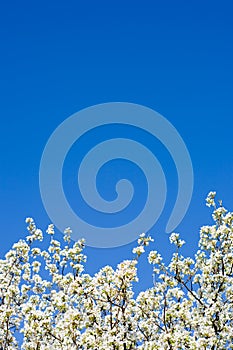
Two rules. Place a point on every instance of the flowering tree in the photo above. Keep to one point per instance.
(46, 296)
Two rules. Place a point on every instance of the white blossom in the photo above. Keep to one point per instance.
(47, 296)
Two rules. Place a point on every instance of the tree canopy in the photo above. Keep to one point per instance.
(47, 301)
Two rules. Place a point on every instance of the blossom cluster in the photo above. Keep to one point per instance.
(47, 301)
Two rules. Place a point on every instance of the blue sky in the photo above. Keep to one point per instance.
(60, 57)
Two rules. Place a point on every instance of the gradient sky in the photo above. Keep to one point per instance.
(59, 57)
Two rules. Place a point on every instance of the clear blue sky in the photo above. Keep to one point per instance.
(59, 57)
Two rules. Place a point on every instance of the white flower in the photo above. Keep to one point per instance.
(154, 258)
(50, 229)
(138, 250)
